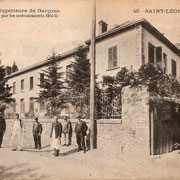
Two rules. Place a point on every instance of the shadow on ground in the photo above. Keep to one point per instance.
(36, 150)
(20, 171)
(72, 151)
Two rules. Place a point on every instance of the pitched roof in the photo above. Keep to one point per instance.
(132, 24)
(45, 62)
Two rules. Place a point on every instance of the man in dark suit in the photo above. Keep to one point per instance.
(80, 130)
(55, 135)
(37, 130)
(2, 127)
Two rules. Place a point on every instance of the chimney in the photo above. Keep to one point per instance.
(102, 27)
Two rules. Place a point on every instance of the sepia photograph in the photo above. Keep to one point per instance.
(89, 90)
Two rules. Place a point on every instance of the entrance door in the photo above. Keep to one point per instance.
(161, 140)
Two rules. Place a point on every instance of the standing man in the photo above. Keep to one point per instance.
(55, 135)
(67, 131)
(17, 129)
(37, 131)
(80, 130)
(2, 127)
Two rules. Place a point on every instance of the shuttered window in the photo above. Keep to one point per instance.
(22, 106)
(173, 66)
(22, 84)
(112, 57)
(165, 62)
(31, 83)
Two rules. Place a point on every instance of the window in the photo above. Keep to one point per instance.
(165, 62)
(112, 57)
(31, 105)
(151, 50)
(22, 84)
(173, 66)
(14, 87)
(22, 106)
(42, 106)
(41, 79)
(68, 71)
(31, 82)
(159, 56)
(14, 107)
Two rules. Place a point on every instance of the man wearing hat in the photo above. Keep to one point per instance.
(2, 127)
(80, 130)
(37, 130)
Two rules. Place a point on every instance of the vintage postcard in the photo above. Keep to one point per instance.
(89, 89)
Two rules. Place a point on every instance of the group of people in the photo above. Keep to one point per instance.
(65, 129)
(59, 130)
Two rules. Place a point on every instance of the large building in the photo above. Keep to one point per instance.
(130, 44)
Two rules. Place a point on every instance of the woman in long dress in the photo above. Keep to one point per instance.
(55, 135)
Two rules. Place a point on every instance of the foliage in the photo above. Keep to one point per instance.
(51, 88)
(78, 81)
(161, 86)
(158, 82)
(14, 67)
(5, 94)
(8, 70)
(112, 90)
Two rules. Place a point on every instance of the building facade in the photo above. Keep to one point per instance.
(130, 45)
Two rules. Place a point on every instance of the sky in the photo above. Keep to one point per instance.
(27, 41)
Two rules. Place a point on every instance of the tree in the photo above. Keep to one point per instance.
(79, 82)
(51, 87)
(14, 67)
(5, 94)
(8, 70)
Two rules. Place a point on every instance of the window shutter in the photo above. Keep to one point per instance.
(159, 56)
(173, 66)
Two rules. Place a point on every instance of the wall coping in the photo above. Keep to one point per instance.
(99, 121)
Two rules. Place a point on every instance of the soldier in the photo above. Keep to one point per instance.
(80, 130)
(67, 131)
(37, 131)
(2, 127)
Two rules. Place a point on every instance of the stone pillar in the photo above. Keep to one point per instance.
(135, 119)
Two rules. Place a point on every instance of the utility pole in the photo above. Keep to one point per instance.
(93, 128)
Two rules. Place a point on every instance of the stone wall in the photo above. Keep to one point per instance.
(129, 134)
